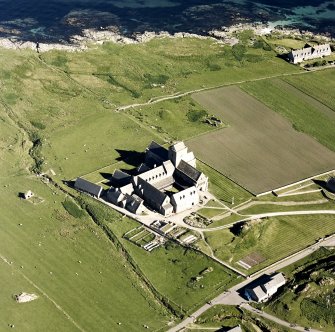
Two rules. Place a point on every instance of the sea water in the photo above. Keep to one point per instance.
(57, 20)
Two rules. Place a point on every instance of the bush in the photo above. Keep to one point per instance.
(196, 115)
(258, 44)
(73, 209)
(36, 152)
(156, 79)
(239, 51)
(38, 125)
(316, 311)
(213, 67)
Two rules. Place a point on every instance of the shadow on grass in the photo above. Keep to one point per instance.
(133, 158)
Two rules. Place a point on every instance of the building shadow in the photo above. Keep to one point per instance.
(106, 176)
(69, 183)
(321, 183)
(133, 158)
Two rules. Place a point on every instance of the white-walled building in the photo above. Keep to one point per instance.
(263, 291)
(309, 52)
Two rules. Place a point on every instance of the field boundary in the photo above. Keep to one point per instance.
(307, 94)
(227, 177)
(294, 183)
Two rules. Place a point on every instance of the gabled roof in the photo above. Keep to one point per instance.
(235, 329)
(88, 187)
(114, 195)
(134, 203)
(189, 170)
(118, 175)
(150, 193)
(276, 281)
(120, 178)
(143, 168)
(158, 150)
(259, 292)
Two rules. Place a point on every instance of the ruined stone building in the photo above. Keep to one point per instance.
(309, 52)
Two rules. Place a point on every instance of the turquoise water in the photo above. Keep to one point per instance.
(57, 20)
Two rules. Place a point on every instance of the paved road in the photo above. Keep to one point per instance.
(231, 297)
(275, 319)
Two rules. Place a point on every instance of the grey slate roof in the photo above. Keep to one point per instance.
(158, 150)
(259, 293)
(150, 193)
(331, 184)
(134, 203)
(189, 171)
(114, 195)
(143, 168)
(88, 187)
(120, 178)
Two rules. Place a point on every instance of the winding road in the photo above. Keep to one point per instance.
(232, 297)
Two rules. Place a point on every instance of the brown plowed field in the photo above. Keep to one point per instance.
(260, 150)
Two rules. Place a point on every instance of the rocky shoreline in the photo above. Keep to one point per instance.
(225, 35)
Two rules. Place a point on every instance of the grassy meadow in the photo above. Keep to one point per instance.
(176, 272)
(62, 256)
(273, 238)
(319, 85)
(58, 111)
(133, 73)
(305, 115)
(223, 188)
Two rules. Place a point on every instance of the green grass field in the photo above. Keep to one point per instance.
(176, 119)
(67, 261)
(210, 212)
(58, 112)
(173, 271)
(306, 116)
(265, 208)
(132, 73)
(273, 238)
(222, 188)
(319, 85)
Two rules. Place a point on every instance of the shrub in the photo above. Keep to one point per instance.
(38, 125)
(73, 209)
(239, 51)
(35, 152)
(196, 115)
(156, 79)
(213, 67)
(258, 44)
(316, 311)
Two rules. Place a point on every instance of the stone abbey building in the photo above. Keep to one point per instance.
(168, 182)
